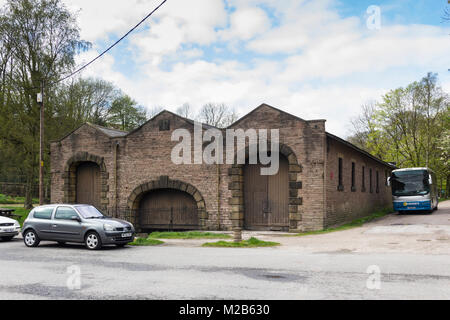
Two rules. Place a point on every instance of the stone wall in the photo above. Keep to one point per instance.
(303, 143)
(345, 204)
(140, 161)
(145, 156)
(84, 144)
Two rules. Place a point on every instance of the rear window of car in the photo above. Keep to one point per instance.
(43, 213)
(65, 213)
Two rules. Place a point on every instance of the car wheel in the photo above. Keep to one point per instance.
(7, 238)
(31, 239)
(93, 241)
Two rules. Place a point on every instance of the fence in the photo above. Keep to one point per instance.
(14, 189)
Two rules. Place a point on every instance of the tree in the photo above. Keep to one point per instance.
(367, 135)
(408, 126)
(185, 111)
(125, 114)
(39, 42)
(217, 114)
(154, 111)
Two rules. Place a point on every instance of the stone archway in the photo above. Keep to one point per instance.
(70, 177)
(236, 186)
(165, 183)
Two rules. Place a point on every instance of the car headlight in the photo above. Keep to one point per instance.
(16, 224)
(108, 227)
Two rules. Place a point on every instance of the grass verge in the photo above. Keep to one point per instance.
(5, 199)
(250, 243)
(354, 224)
(188, 235)
(142, 242)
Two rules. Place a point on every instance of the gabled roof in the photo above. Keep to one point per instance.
(113, 133)
(109, 132)
(191, 122)
(265, 105)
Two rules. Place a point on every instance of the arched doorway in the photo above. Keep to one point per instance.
(88, 185)
(266, 198)
(86, 180)
(168, 209)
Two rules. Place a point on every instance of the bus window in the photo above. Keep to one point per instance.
(410, 183)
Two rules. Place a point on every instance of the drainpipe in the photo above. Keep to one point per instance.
(116, 192)
(218, 197)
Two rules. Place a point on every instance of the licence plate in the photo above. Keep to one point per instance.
(126, 235)
(8, 230)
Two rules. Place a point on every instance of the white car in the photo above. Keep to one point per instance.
(9, 228)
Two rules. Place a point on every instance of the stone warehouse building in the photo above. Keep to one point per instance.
(322, 179)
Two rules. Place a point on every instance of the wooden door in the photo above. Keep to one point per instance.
(278, 197)
(88, 184)
(266, 198)
(168, 209)
(255, 198)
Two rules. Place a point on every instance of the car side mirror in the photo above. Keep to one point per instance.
(389, 181)
(75, 218)
(430, 180)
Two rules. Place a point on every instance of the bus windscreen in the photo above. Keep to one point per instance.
(410, 183)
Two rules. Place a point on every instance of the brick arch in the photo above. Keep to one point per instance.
(70, 176)
(165, 183)
(236, 186)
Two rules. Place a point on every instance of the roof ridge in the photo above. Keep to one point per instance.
(108, 128)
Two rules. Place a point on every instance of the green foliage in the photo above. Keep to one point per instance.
(39, 40)
(125, 114)
(141, 242)
(4, 199)
(410, 126)
(250, 243)
(188, 235)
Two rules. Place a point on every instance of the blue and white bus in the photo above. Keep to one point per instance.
(414, 189)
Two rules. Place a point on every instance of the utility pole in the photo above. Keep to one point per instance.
(40, 100)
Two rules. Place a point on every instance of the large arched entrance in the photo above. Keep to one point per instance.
(168, 209)
(167, 204)
(266, 198)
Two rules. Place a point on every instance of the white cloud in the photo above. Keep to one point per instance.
(326, 65)
(246, 23)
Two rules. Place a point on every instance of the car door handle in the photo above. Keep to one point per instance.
(54, 225)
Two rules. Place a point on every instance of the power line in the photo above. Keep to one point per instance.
(110, 47)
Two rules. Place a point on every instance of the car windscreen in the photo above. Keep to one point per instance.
(410, 183)
(89, 212)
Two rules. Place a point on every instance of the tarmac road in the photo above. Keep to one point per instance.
(175, 271)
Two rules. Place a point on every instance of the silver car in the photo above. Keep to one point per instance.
(75, 223)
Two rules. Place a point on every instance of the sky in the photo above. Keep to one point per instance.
(318, 59)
